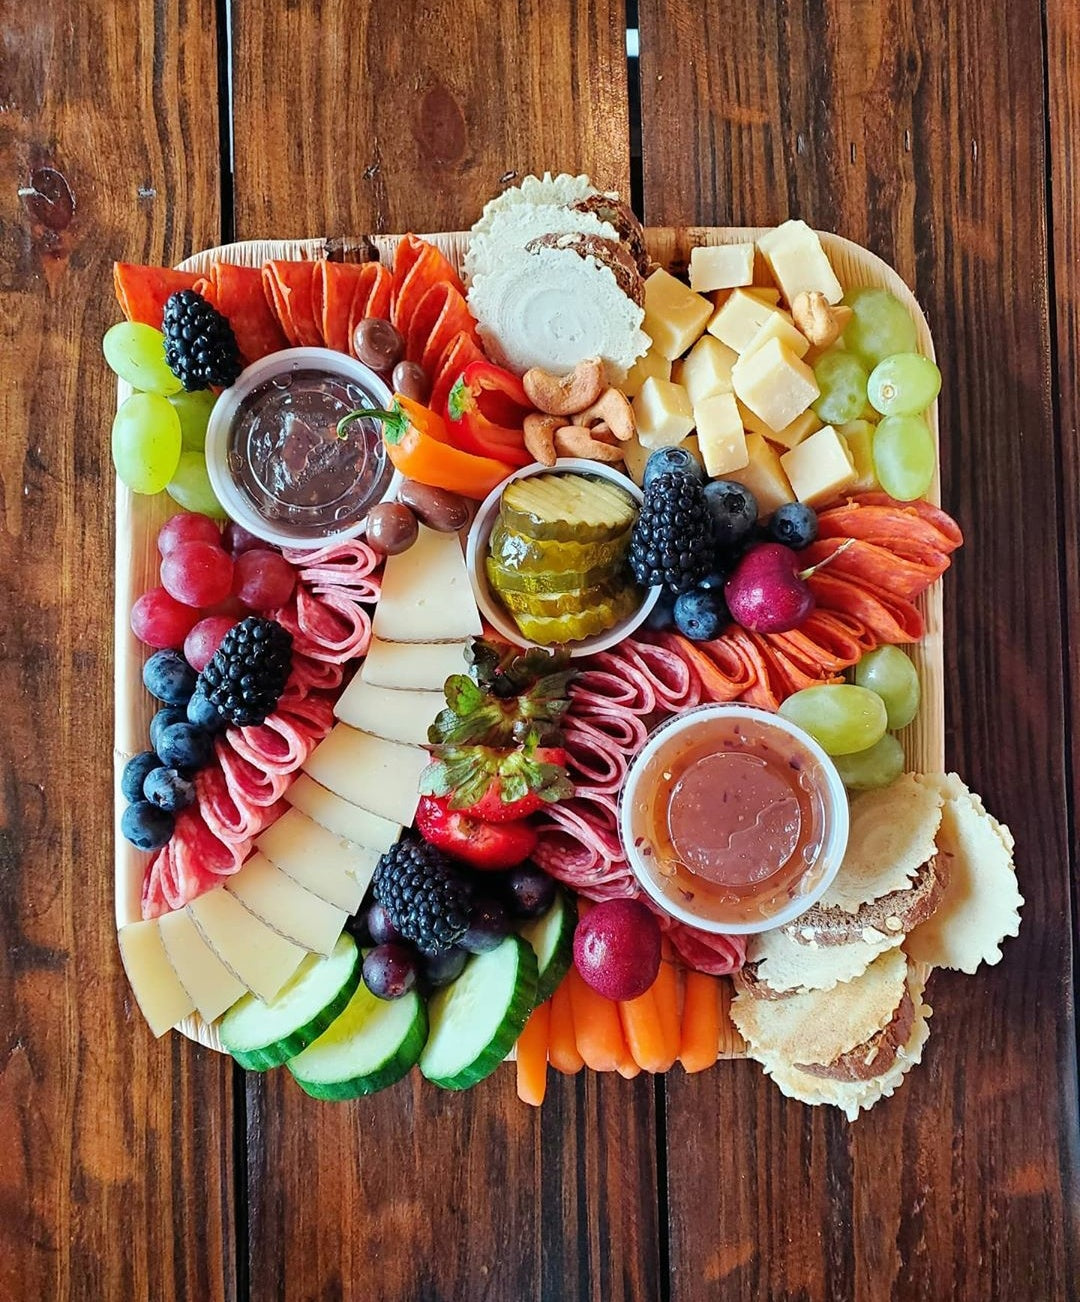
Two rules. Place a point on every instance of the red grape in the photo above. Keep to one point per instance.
(197, 573)
(159, 620)
(204, 639)
(187, 527)
(237, 539)
(263, 580)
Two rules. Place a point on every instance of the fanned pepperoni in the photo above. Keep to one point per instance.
(820, 642)
(723, 674)
(876, 518)
(237, 293)
(907, 575)
(890, 618)
(142, 292)
(290, 290)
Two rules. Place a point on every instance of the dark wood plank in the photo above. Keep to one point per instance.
(917, 129)
(115, 1149)
(408, 117)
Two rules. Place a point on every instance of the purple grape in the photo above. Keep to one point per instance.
(530, 891)
(446, 966)
(381, 930)
(488, 927)
(390, 971)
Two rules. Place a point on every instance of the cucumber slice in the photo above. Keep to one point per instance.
(263, 1035)
(373, 1044)
(552, 938)
(475, 1021)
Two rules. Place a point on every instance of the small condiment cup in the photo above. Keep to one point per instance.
(233, 501)
(477, 549)
(633, 803)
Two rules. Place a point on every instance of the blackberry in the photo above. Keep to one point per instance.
(200, 347)
(424, 898)
(249, 670)
(674, 540)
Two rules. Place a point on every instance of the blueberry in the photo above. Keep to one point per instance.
(203, 713)
(662, 614)
(446, 966)
(668, 460)
(169, 677)
(165, 719)
(146, 826)
(794, 525)
(169, 789)
(734, 510)
(713, 581)
(135, 773)
(488, 927)
(183, 746)
(702, 614)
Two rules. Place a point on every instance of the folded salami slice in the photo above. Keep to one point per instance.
(675, 683)
(277, 745)
(594, 758)
(889, 617)
(705, 950)
(330, 626)
(344, 564)
(315, 675)
(142, 292)
(458, 353)
(226, 813)
(248, 784)
(192, 863)
(290, 290)
(237, 293)
(722, 672)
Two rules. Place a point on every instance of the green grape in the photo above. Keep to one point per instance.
(194, 411)
(877, 766)
(137, 354)
(903, 385)
(841, 377)
(881, 326)
(146, 442)
(840, 718)
(190, 486)
(891, 674)
(904, 457)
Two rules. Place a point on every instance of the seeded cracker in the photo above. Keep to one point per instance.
(784, 964)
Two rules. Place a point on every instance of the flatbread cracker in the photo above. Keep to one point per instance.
(821, 1025)
(981, 904)
(892, 836)
(786, 964)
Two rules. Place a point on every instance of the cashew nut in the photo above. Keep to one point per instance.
(540, 436)
(818, 320)
(561, 395)
(614, 410)
(576, 441)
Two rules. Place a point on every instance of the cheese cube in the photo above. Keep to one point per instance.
(720, 434)
(663, 414)
(763, 475)
(648, 364)
(778, 326)
(859, 437)
(819, 468)
(706, 369)
(739, 318)
(798, 262)
(774, 384)
(721, 266)
(766, 293)
(636, 457)
(674, 315)
(790, 436)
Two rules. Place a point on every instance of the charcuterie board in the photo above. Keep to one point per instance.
(139, 517)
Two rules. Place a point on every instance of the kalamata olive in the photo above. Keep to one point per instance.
(411, 381)
(377, 344)
(435, 507)
(391, 528)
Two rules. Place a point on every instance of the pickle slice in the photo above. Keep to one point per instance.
(544, 582)
(546, 629)
(544, 605)
(567, 508)
(513, 551)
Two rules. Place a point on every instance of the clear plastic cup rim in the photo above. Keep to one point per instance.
(833, 845)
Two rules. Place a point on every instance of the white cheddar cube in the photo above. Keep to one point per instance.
(819, 468)
(258, 955)
(721, 266)
(161, 997)
(778, 326)
(764, 476)
(798, 262)
(202, 974)
(663, 414)
(426, 595)
(417, 666)
(767, 293)
(380, 776)
(389, 712)
(788, 437)
(720, 434)
(739, 319)
(331, 867)
(859, 437)
(636, 457)
(346, 820)
(775, 384)
(285, 906)
(706, 369)
(674, 315)
(649, 365)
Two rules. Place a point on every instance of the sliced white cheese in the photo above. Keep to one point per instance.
(261, 958)
(342, 817)
(389, 712)
(211, 985)
(162, 1000)
(329, 866)
(380, 776)
(419, 666)
(282, 903)
(426, 595)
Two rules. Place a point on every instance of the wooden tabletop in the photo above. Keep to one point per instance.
(942, 135)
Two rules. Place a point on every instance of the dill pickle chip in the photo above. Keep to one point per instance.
(567, 508)
(574, 602)
(542, 582)
(513, 551)
(546, 629)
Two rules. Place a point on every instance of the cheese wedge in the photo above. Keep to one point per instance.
(426, 596)
(284, 905)
(161, 997)
(380, 776)
(334, 869)
(212, 987)
(389, 712)
(416, 666)
(344, 819)
(262, 959)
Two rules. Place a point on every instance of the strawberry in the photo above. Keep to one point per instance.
(489, 847)
(498, 785)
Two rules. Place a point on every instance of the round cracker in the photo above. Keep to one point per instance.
(783, 963)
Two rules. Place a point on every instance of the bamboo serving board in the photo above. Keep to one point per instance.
(138, 519)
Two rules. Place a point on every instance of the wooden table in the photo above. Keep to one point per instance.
(943, 136)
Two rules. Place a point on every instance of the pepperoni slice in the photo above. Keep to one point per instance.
(142, 292)
(237, 293)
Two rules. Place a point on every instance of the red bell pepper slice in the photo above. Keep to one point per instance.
(486, 410)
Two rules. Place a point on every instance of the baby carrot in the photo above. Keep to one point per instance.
(644, 1031)
(700, 1022)
(532, 1050)
(596, 1025)
(562, 1047)
(665, 991)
